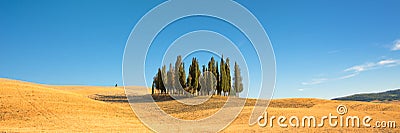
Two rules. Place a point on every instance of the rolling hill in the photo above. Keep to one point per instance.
(30, 107)
(390, 95)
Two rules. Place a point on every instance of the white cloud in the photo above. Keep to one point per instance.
(360, 68)
(369, 66)
(396, 45)
(355, 70)
(348, 76)
(315, 81)
(386, 62)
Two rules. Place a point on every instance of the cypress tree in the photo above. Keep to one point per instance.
(228, 76)
(189, 79)
(204, 81)
(160, 83)
(170, 79)
(218, 88)
(152, 87)
(212, 69)
(180, 75)
(164, 79)
(194, 73)
(237, 85)
(189, 82)
(222, 76)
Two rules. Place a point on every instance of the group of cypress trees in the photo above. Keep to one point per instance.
(213, 79)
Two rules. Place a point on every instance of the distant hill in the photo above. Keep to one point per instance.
(368, 97)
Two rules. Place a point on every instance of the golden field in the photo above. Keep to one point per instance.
(30, 107)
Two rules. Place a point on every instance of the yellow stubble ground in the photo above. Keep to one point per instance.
(29, 107)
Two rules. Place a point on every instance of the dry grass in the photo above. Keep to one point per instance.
(28, 107)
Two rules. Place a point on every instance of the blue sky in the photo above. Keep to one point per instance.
(323, 49)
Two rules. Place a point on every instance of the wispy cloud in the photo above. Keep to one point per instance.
(300, 89)
(374, 65)
(348, 76)
(356, 70)
(385, 62)
(360, 68)
(315, 81)
(396, 45)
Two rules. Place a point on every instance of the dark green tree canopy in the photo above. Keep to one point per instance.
(216, 78)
